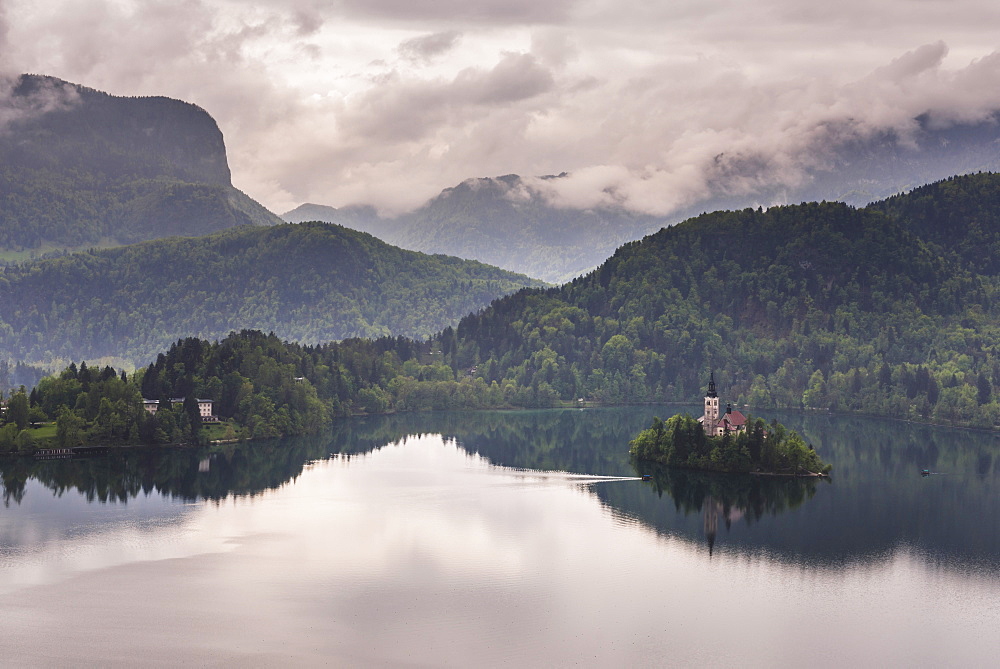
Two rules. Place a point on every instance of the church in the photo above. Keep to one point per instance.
(714, 424)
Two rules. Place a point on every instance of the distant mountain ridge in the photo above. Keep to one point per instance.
(506, 222)
(310, 283)
(496, 221)
(362, 218)
(80, 167)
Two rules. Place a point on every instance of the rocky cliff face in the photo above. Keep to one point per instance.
(80, 167)
(63, 126)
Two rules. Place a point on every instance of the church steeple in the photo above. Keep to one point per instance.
(710, 420)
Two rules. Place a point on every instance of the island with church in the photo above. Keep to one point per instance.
(730, 442)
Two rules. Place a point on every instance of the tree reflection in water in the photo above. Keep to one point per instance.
(188, 474)
(877, 502)
(728, 497)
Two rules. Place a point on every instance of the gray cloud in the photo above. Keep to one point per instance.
(407, 109)
(44, 97)
(4, 29)
(769, 136)
(651, 105)
(517, 76)
(427, 47)
(308, 21)
(476, 11)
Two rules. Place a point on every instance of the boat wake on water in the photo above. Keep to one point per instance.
(569, 477)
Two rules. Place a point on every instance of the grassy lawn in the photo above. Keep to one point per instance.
(215, 431)
(44, 434)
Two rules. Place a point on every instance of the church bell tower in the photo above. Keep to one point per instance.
(711, 418)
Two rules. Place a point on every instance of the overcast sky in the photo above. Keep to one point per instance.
(389, 101)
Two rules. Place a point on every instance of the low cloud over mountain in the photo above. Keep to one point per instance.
(654, 108)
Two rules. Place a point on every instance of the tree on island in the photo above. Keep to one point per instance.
(681, 442)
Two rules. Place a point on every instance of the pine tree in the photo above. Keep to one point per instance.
(984, 391)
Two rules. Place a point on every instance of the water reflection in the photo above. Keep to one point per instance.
(184, 474)
(728, 498)
(426, 553)
(876, 505)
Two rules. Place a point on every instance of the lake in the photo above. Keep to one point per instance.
(505, 538)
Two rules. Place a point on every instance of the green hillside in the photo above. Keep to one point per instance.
(81, 168)
(310, 283)
(958, 218)
(819, 305)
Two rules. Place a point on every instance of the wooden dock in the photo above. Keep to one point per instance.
(68, 453)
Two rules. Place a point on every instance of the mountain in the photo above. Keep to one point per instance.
(507, 221)
(888, 309)
(310, 283)
(506, 224)
(81, 168)
(862, 171)
(360, 218)
(499, 221)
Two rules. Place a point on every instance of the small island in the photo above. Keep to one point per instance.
(731, 443)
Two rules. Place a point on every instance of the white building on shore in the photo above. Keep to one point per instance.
(204, 408)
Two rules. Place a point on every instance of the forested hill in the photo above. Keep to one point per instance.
(959, 218)
(889, 309)
(80, 167)
(311, 283)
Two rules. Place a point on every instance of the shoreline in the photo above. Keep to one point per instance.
(563, 405)
(786, 475)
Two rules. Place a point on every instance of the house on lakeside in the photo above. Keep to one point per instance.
(714, 424)
(204, 408)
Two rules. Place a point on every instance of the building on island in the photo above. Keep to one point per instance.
(714, 424)
(204, 408)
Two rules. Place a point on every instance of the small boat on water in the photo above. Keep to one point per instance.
(647, 477)
(925, 472)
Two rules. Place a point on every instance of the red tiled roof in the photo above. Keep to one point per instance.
(736, 418)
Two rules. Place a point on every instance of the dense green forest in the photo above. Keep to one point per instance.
(309, 283)
(258, 384)
(890, 310)
(681, 441)
(81, 168)
(260, 387)
(14, 375)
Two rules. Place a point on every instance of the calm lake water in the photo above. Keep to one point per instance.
(505, 538)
